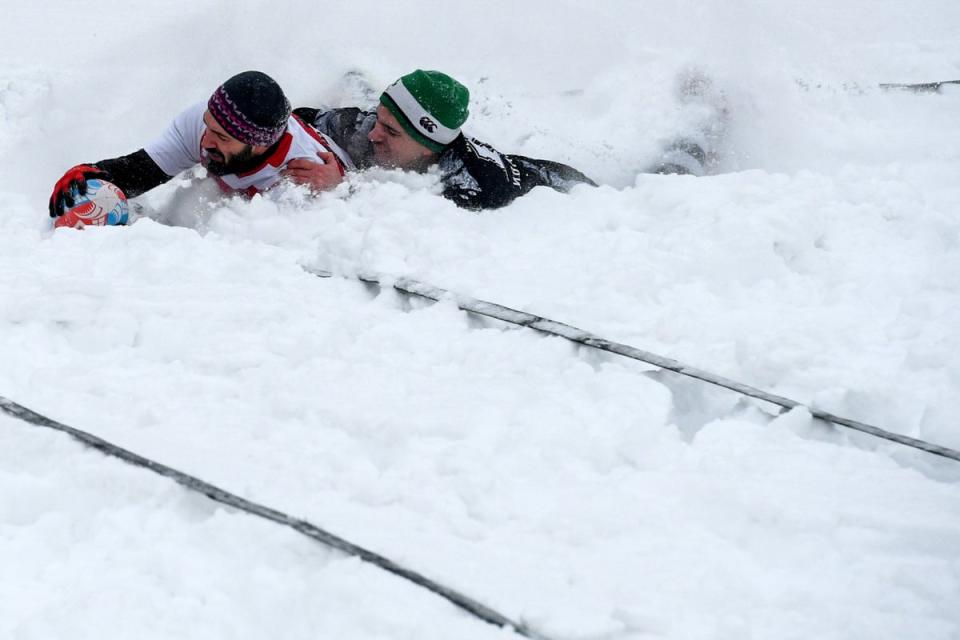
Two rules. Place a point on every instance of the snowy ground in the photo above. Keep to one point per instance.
(588, 495)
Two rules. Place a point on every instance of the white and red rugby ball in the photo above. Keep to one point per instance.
(104, 204)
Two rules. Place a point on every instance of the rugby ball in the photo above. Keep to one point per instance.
(102, 205)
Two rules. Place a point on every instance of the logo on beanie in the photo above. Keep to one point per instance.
(428, 124)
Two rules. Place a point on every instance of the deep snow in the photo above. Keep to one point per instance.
(586, 494)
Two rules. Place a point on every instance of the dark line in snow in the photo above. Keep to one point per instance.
(192, 483)
(552, 327)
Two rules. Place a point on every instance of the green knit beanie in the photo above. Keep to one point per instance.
(429, 105)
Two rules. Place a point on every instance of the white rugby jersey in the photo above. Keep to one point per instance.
(178, 149)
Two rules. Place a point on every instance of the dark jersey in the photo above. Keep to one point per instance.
(474, 175)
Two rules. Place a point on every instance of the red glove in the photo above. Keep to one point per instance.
(73, 182)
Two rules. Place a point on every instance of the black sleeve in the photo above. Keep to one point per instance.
(135, 173)
(477, 176)
(552, 174)
(339, 124)
(348, 127)
(307, 114)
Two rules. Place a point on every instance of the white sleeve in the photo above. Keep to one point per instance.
(178, 148)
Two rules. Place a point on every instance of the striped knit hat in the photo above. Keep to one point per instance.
(251, 107)
(429, 105)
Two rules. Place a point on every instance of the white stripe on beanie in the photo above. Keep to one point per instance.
(422, 120)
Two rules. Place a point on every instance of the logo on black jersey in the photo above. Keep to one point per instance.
(428, 124)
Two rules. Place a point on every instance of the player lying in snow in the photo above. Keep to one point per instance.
(244, 135)
(247, 139)
(417, 126)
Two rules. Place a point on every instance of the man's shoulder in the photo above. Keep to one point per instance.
(475, 175)
(189, 122)
(482, 161)
(178, 147)
(478, 176)
(474, 149)
(308, 141)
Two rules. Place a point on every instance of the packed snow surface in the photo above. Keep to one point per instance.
(591, 496)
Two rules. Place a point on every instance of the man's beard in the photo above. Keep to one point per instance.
(238, 163)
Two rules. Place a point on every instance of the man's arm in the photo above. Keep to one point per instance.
(134, 174)
(177, 149)
(548, 173)
(348, 127)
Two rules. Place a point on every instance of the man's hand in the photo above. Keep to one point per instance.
(74, 180)
(319, 177)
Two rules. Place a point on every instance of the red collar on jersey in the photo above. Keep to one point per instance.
(274, 158)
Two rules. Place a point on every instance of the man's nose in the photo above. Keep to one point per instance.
(376, 134)
(207, 140)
